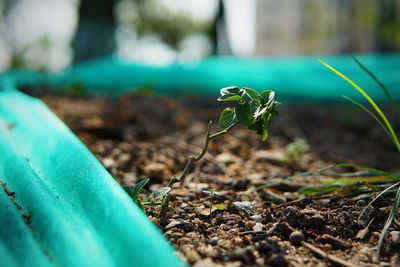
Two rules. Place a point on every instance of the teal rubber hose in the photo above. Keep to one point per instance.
(296, 78)
(75, 213)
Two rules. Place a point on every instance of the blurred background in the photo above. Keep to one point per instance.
(53, 34)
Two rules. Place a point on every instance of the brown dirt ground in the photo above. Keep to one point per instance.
(141, 136)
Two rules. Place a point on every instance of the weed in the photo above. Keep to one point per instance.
(296, 149)
(383, 121)
(249, 108)
(213, 194)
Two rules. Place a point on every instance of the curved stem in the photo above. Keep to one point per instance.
(191, 160)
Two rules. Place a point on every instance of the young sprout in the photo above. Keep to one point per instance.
(296, 149)
(214, 193)
(249, 108)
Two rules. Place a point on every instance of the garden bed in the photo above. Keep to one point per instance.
(215, 218)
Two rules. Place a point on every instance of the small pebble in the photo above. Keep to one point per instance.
(172, 225)
(258, 227)
(278, 260)
(264, 247)
(212, 242)
(361, 203)
(256, 218)
(244, 205)
(363, 234)
(395, 236)
(296, 238)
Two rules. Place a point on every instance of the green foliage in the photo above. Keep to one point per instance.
(160, 193)
(227, 117)
(154, 18)
(133, 191)
(296, 149)
(252, 109)
(382, 120)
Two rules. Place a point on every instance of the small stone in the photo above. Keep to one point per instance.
(324, 202)
(228, 158)
(125, 157)
(108, 162)
(395, 236)
(172, 225)
(130, 178)
(269, 196)
(256, 218)
(207, 262)
(264, 247)
(258, 227)
(155, 170)
(239, 184)
(238, 241)
(191, 254)
(361, 203)
(212, 242)
(244, 205)
(363, 234)
(250, 224)
(278, 260)
(335, 242)
(296, 238)
(291, 215)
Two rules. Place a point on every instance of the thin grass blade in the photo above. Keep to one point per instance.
(369, 99)
(373, 76)
(376, 198)
(370, 113)
(388, 222)
(322, 171)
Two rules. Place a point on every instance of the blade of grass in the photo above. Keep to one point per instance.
(373, 76)
(322, 170)
(369, 99)
(308, 190)
(370, 113)
(388, 222)
(377, 197)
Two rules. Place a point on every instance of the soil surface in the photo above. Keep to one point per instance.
(216, 218)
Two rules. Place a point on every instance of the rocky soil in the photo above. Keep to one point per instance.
(216, 218)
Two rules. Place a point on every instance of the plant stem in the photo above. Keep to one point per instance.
(192, 159)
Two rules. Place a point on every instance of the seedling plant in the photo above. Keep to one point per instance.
(248, 108)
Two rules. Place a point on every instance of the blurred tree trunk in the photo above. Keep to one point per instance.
(95, 34)
(218, 34)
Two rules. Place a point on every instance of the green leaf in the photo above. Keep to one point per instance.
(264, 134)
(229, 97)
(133, 191)
(161, 192)
(253, 94)
(266, 124)
(244, 114)
(271, 98)
(308, 190)
(260, 111)
(220, 207)
(230, 90)
(128, 189)
(226, 118)
(265, 96)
